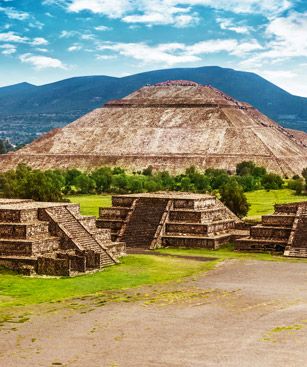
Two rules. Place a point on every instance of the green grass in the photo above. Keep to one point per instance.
(90, 204)
(262, 201)
(17, 290)
(227, 252)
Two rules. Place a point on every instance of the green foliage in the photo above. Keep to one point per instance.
(233, 197)
(34, 184)
(271, 181)
(52, 185)
(133, 271)
(249, 168)
(297, 185)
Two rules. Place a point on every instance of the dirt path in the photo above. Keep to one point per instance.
(242, 314)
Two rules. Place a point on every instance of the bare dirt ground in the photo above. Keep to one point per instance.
(243, 313)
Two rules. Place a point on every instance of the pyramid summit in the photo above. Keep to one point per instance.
(170, 125)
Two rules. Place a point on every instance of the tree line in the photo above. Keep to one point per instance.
(54, 185)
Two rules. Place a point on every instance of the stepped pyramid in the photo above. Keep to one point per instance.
(285, 232)
(52, 239)
(170, 125)
(175, 219)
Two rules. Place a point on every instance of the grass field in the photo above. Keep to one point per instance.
(261, 201)
(134, 270)
(90, 204)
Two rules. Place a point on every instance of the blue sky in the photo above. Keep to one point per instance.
(43, 41)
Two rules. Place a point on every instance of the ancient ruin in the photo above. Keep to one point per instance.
(156, 220)
(53, 239)
(170, 125)
(283, 232)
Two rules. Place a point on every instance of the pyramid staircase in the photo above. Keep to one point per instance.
(283, 232)
(79, 235)
(168, 219)
(52, 239)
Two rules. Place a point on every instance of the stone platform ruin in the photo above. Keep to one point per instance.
(53, 239)
(283, 232)
(156, 220)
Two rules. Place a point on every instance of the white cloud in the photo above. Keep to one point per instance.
(42, 62)
(12, 37)
(287, 38)
(12, 13)
(180, 13)
(169, 54)
(74, 48)
(8, 49)
(39, 41)
(103, 28)
(230, 25)
(105, 57)
(177, 53)
(68, 34)
(113, 9)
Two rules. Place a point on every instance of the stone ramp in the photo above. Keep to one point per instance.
(78, 234)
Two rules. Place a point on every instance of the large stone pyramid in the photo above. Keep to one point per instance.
(170, 125)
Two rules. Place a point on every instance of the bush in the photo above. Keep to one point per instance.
(232, 195)
(272, 181)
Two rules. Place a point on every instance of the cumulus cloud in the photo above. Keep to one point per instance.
(103, 28)
(286, 38)
(74, 47)
(39, 41)
(13, 37)
(12, 13)
(42, 62)
(8, 49)
(177, 53)
(180, 13)
(230, 25)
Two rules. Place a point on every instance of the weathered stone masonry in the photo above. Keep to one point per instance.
(53, 239)
(169, 219)
(285, 232)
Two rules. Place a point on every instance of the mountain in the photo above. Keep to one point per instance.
(170, 125)
(35, 109)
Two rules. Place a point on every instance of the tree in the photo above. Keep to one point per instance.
(297, 185)
(272, 181)
(304, 174)
(148, 171)
(103, 179)
(245, 168)
(232, 195)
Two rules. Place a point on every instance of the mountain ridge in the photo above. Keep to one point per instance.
(67, 99)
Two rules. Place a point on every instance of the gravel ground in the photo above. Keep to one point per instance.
(243, 313)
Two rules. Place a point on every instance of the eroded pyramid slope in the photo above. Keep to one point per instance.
(170, 125)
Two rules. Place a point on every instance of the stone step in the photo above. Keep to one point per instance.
(278, 220)
(296, 252)
(260, 231)
(25, 265)
(211, 242)
(37, 229)
(260, 245)
(110, 223)
(28, 247)
(114, 213)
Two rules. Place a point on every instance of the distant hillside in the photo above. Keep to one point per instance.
(27, 110)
